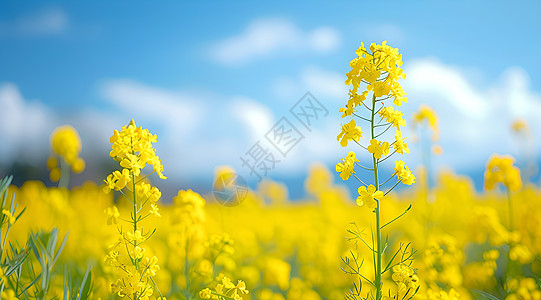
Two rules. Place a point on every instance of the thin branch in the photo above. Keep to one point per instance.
(368, 169)
(359, 180)
(360, 144)
(361, 117)
(388, 156)
(405, 212)
(387, 180)
(392, 188)
(381, 133)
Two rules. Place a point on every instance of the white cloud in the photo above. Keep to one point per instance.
(174, 110)
(24, 126)
(255, 116)
(475, 122)
(323, 84)
(267, 37)
(195, 132)
(198, 131)
(52, 21)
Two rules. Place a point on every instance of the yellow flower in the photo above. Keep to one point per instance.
(378, 149)
(368, 195)
(346, 167)
(520, 125)
(133, 163)
(393, 116)
(122, 179)
(65, 142)
(132, 147)
(137, 252)
(500, 169)
(403, 173)
(241, 287)
(8, 214)
(152, 265)
(399, 145)
(154, 210)
(379, 88)
(427, 113)
(205, 293)
(112, 215)
(137, 237)
(109, 183)
(350, 131)
(9, 295)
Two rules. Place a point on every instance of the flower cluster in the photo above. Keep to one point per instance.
(426, 113)
(406, 280)
(225, 290)
(375, 72)
(500, 169)
(132, 148)
(65, 148)
(523, 288)
(379, 70)
(347, 166)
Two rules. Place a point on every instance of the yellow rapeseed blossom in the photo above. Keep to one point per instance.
(346, 167)
(375, 71)
(403, 173)
(378, 148)
(132, 148)
(65, 148)
(368, 196)
(500, 169)
(393, 116)
(399, 145)
(225, 290)
(425, 112)
(350, 132)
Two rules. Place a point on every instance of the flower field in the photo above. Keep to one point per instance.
(119, 239)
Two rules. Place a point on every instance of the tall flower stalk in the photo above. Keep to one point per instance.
(132, 148)
(65, 149)
(375, 72)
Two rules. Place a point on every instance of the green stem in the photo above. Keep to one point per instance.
(378, 281)
(187, 267)
(510, 203)
(135, 296)
(64, 174)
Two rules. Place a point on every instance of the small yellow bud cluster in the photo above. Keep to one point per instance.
(65, 148)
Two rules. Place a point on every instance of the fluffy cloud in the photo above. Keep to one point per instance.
(195, 132)
(267, 37)
(324, 84)
(52, 21)
(198, 132)
(475, 121)
(25, 127)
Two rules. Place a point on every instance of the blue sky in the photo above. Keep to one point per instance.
(211, 79)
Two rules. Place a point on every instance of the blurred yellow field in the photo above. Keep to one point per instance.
(118, 238)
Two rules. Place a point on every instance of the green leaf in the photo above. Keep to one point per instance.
(485, 295)
(86, 286)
